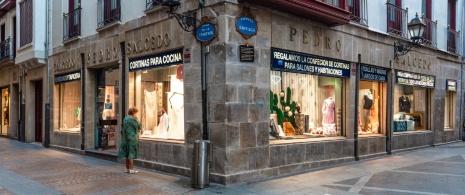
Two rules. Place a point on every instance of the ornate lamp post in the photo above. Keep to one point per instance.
(416, 28)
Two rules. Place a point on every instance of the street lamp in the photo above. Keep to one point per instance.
(187, 20)
(416, 28)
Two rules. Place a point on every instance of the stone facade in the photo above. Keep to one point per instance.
(238, 93)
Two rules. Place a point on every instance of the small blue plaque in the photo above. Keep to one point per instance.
(246, 26)
(206, 32)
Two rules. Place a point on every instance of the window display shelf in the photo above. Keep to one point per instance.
(162, 140)
(307, 140)
(413, 132)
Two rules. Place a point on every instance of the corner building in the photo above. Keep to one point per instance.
(303, 53)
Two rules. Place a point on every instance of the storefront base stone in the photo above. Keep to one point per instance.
(276, 171)
(70, 140)
(68, 149)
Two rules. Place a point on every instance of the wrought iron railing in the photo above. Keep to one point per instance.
(397, 20)
(358, 11)
(453, 41)
(341, 4)
(72, 24)
(108, 11)
(430, 37)
(153, 4)
(6, 49)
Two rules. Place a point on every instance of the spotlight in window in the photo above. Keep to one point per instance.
(145, 71)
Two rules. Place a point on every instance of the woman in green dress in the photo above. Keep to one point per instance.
(130, 140)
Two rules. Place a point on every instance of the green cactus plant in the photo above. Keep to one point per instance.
(274, 108)
(285, 101)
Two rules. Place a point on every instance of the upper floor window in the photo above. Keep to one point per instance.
(109, 11)
(25, 23)
(396, 19)
(426, 8)
(150, 4)
(72, 20)
(358, 11)
(451, 13)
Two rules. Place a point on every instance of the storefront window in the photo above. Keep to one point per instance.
(449, 110)
(304, 105)
(5, 106)
(159, 95)
(410, 108)
(371, 107)
(67, 103)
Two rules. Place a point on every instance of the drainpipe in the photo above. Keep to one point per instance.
(47, 83)
(461, 132)
(389, 110)
(357, 86)
(204, 50)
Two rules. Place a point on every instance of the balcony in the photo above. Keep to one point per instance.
(6, 6)
(397, 21)
(328, 12)
(72, 24)
(429, 38)
(358, 12)
(108, 12)
(6, 49)
(151, 4)
(453, 41)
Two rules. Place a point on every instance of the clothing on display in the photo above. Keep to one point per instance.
(328, 111)
(176, 109)
(151, 115)
(368, 101)
(404, 104)
(6, 114)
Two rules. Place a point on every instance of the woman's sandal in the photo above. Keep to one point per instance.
(133, 171)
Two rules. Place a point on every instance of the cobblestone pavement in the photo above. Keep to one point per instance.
(32, 169)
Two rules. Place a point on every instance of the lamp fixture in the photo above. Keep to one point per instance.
(145, 71)
(187, 20)
(416, 28)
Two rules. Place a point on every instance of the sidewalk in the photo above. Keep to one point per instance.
(32, 169)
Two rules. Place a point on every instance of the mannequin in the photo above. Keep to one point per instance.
(150, 109)
(328, 111)
(6, 112)
(367, 106)
(404, 104)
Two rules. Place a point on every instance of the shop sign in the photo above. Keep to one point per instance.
(68, 77)
(187, 55)
(372, 73)
(246, 25)
(451, 85)
(157, 60)
(414, 79)
(207, 31)
(247, 53)
(64, 65)
(290, 61)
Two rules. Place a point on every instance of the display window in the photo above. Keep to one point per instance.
(305, 105)
(372, 104)
(67, 103)
(159, 95)
(449, 110)
(107, 107)
(411, 108)
(5, 106)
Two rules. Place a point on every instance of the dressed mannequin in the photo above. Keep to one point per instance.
(404, 104)
(6, 112)
(328, 111)
(367, 106)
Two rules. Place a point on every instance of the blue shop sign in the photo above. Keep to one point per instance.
(246, 25)
(206, 32)
(168, 58)
(414, 79)
(69, 77)
(372, 73)
(290, 61)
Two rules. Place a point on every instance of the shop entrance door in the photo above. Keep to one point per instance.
(107, 108)
(38, 110)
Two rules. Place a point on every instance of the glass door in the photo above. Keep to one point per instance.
(107, 108)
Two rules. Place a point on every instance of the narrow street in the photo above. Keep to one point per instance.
(31, 169)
